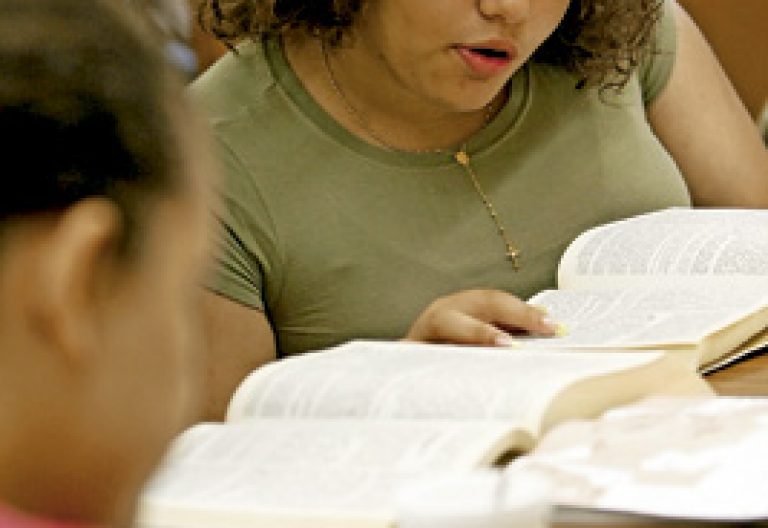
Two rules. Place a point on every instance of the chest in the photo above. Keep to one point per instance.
(368, 246)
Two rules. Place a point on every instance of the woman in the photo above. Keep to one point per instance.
(103, 215)
(384, 154)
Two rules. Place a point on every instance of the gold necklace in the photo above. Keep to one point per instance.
(460, 156)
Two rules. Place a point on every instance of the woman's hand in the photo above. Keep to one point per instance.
(479, 317)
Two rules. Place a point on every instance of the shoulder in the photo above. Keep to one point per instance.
(656, 69)
(651, 74)
(240, 79)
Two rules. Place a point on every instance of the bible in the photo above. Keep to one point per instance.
(690, 279)
(327, 438)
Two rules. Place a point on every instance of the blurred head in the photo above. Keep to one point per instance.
(103, 236)
(173, 21)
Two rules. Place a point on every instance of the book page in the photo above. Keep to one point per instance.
(674, 246)
(295, 472)
(187, 495)
(644, 318)
(702, 459)
(293, 444)
(289, 472)
(376, 380)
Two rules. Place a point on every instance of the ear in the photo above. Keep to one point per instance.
(76, 259)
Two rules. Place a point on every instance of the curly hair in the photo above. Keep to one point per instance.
(600, 41)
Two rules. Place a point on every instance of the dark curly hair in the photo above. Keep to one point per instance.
(601, 41)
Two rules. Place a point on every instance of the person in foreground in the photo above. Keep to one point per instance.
(415, 168)
(103, 234)
(764, 124)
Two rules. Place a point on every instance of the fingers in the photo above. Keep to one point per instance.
(510, 313)
(457, 327)
(480, 317)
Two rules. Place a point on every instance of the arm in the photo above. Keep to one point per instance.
(706, 128)
(238, 340)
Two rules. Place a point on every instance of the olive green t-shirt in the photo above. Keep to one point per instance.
(337, 239)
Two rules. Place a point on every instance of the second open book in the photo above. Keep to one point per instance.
(692, 279)
(327, 438)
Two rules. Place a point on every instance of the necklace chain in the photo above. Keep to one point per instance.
(461, 157)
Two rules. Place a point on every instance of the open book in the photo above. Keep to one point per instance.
(693, 279)
(326, 438)
(660, 462)
(672, 459)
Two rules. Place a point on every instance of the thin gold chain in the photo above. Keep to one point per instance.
(461, 157)
(511, 250)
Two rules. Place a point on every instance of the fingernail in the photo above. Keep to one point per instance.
(555, 328)
(540, 308)
(504, 340)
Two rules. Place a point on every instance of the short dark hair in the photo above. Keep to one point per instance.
(601, 41)
(85, 110)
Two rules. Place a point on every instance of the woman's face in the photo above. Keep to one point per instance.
(455, 53)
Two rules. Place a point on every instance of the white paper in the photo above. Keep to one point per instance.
(702, 459)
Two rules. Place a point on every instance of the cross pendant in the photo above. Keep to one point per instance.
(462, 158)
(513, 255)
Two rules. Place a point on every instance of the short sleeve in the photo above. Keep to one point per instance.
(246, 249)
(656, 69)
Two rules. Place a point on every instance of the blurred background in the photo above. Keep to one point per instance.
(738, 31)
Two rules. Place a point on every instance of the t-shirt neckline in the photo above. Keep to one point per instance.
(504, 121)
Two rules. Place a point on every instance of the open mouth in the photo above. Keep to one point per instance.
(491, 53)
(486, 59)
